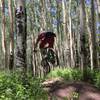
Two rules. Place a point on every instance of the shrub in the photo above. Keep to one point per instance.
(14, 86)
(96, 79)
(67, 74)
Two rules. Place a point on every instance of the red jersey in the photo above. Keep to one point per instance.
(45, 40)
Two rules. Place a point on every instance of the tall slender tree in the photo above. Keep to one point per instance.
(71, 37)
(4, 46)
(65, 33)
(93, 50)
(43, 13)
(21, 33)
(98, 6)
(98, 28)
(11, 58)
(82, 38)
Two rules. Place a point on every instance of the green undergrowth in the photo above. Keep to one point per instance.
(67, 74)
(15, 86)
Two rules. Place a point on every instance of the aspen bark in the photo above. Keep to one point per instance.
(71, 37)
(11, 57)
(21, 34)
(4, 46)
(93, 50)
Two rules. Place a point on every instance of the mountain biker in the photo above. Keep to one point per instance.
(45, 40)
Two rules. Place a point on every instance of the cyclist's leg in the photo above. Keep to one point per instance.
(57, 59)
(54, 58)
(44, 62)
(43, 53)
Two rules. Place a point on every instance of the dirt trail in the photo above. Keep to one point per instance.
(60, 90)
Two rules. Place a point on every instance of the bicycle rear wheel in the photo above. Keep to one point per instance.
(46, 66)
(52, 57)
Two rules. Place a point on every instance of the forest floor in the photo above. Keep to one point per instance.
(60, 90)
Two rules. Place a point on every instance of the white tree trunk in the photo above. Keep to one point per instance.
(4, 47)
(93, 50)
(71, 37)
(21, 34)
(82, 33)
(11, 57)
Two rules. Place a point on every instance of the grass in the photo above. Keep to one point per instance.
(15, 86)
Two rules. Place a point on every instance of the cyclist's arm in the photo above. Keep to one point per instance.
(40, 36)
(36, 44)
(38, 40)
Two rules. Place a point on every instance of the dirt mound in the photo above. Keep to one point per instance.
(61, 90)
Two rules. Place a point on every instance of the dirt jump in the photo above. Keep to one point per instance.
(60, 90)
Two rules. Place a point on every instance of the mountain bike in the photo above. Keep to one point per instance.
(49, 59)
